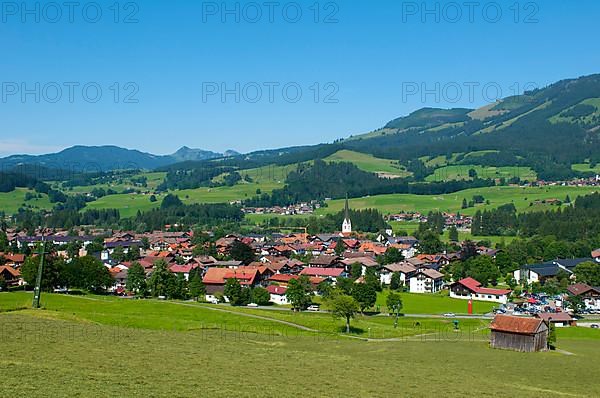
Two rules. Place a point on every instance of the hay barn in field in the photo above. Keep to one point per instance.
(518, 333)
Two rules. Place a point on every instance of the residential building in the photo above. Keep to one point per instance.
(471, 289)
(426, 280)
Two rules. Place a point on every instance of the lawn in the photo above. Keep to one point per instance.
(75, 348)
(369, 163)
(521, 197)
(461, 172)
(10, 202)
(436, 304)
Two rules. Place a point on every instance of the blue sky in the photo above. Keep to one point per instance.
(358, 65)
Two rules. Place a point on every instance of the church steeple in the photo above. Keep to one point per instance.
(347, 224)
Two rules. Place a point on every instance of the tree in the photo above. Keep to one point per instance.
(261, 296)
(429, 242)
(180, 288)
(298, 293)
(340, 247)
(394, 305)
(196, 286)
(171, 201)
(453, 234)
(511, 281)
(372, 279)
(576, 304)
(343, 306)
(136, 279)
(236, 294)
(365, 295)
(3, 284)
(464, 204)
(356, 270)
(162, 281)
(4, 245)
(396, 281)
(344, 285)
(54, 275)
(94, 276)
(551, 335)
(391, 256)
(588, 272)
(242, 252)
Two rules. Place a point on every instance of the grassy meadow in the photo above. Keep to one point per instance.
(521, 197)
(461, 172)
(98, 346)
(369, 163)
(10, 202)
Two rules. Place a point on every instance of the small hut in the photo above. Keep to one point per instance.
(519, 333)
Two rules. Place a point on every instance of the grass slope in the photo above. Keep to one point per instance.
(461, 172)
(521, 197)
(73, 349)
(369, 163)
(10, 202)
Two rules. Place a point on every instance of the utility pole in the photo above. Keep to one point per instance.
(38, 282)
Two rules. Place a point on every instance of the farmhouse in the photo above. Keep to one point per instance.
(519, 333)
(471, 289)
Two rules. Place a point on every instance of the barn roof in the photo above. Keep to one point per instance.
(515, 324)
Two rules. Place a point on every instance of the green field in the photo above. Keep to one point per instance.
(153, 180)
(95, 346)
(585, 167)
(369, 163)
(128, 204)
(520, 196)
(409, 228)
(10, 202)
(461, 172)
(436, 304)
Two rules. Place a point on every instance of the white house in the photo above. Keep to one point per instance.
(426, 280)
(278, 294)
(406, 270)
(471, 289)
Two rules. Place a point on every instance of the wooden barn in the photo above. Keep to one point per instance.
(519, 333)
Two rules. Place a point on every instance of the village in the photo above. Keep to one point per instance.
(274, 262)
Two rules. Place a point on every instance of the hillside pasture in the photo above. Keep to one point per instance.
(97, 346)
(461, 172)
(366, 162)
(521, 197)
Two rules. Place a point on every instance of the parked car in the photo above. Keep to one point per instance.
(449, 314)
(313, 308)
(595, 326)
(252, 305)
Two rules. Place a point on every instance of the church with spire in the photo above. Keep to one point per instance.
(346, 224)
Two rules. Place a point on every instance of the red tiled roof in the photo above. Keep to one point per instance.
(220, 275)
(280, 290)
(475, 286)
(15, 273)
(315, 271)
(556, 317)
(515, 324)
(282, 278)
(580, 288)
